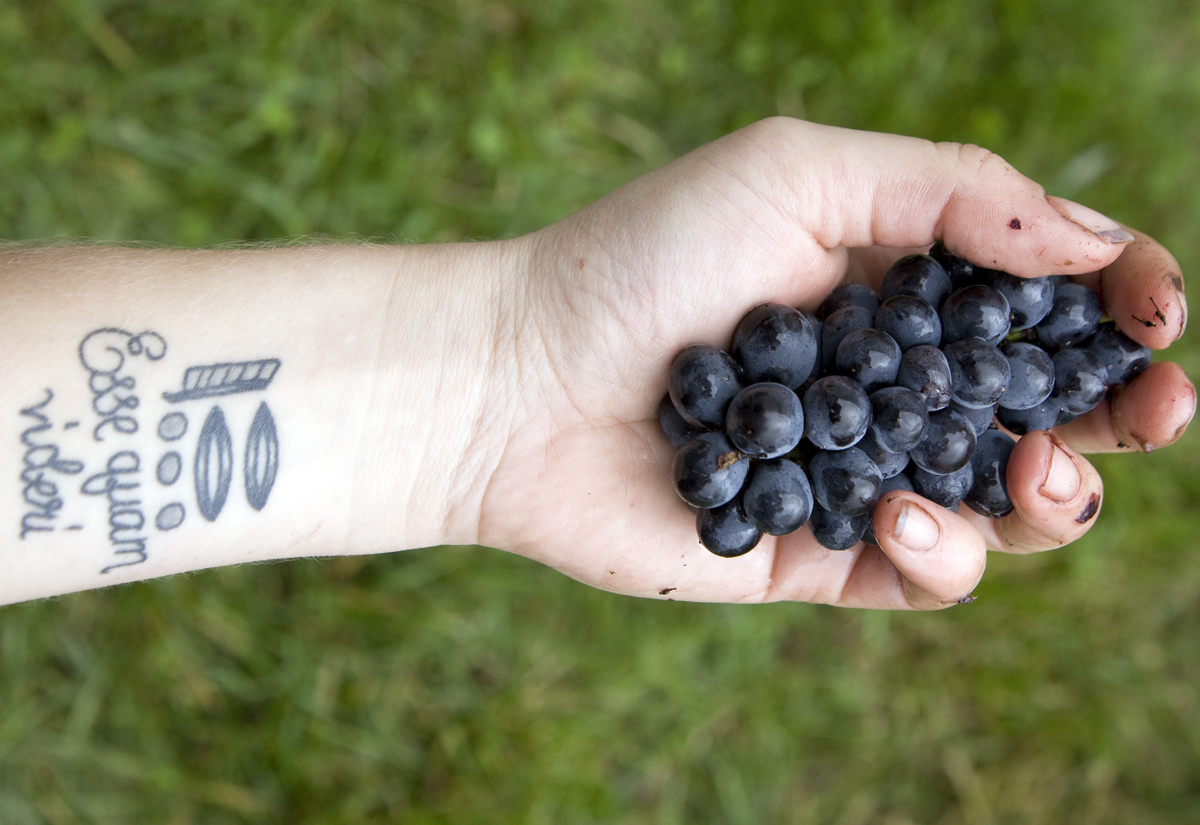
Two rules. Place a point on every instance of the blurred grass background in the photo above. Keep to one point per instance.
(461, 685)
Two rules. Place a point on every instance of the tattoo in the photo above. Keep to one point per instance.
(103, 354)
(125, 518)
(214, 465)
(136, 478)
(225, 379)
(41, 462)
(262, 457)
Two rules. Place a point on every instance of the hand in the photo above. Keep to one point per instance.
(784, 211)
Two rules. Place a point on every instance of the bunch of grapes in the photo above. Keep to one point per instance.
(810, 419)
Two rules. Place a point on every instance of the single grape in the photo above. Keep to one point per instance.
(836, 327)
(981, 418)
(834, 532)
(726, 531)
(1080, 380)
(677, 431)
(1032, 375)
(1123, 357)
(837, 412)
(979, 372)
(900, 481)
(1073, 317)
(962, 272)
(1042, 417)
(890, 464)
(909, 320)
(777, 498)
(975, 311)
(943, 490)
(708, 471)
(898, 418)
(765, 420)
(1029, 299)
(870, 357)
(920, 276)
(846, 295)
(989, 490)
(948, 443)
(845, 482)
(703, 380)
(776, 343)
(924, 369)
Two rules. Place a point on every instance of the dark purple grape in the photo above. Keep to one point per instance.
(845, 482)
(777, 498)
(834, 532)
(975, 311)
(943, 490)
(870, 357)
(920, 276)
(726, 531)
(1065, 416)
(836, 327)
(1073, 317)
(1123, 357)
(1080, 380)
(1032, 375)
(979, 372)
(898, 418)
(1042, 417)
(708, 471)
(989, 490)
(900, 481)
(925, 370)
(703, 380)
(981, 418)
(909, 320)
(776, 343)
(837, 412)
(889, 463)
(818, 327)
(948, 443)
(1029, 299)
(846, 295)
(677, 431)
(962, 272)
(765, 420)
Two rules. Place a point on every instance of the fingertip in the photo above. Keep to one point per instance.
(1154, 409)
(1007, 222)
(1144, 293)
(940, 556)
(1056, 495)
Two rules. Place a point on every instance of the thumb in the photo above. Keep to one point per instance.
(859, 189)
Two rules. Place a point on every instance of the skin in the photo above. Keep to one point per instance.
(505, 393)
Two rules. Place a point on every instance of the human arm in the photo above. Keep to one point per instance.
(504, 393)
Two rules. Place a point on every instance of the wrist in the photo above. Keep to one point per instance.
(438, 413)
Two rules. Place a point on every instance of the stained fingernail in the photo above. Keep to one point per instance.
(1102, 226)
(1062, 480)
(968, 599)
(915, 529)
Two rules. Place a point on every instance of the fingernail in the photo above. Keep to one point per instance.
(915, 529)
(1102, 226)
(1062, 480)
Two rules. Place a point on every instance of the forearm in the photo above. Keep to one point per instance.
(171, 410)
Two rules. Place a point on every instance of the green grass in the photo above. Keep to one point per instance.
(461, 685)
